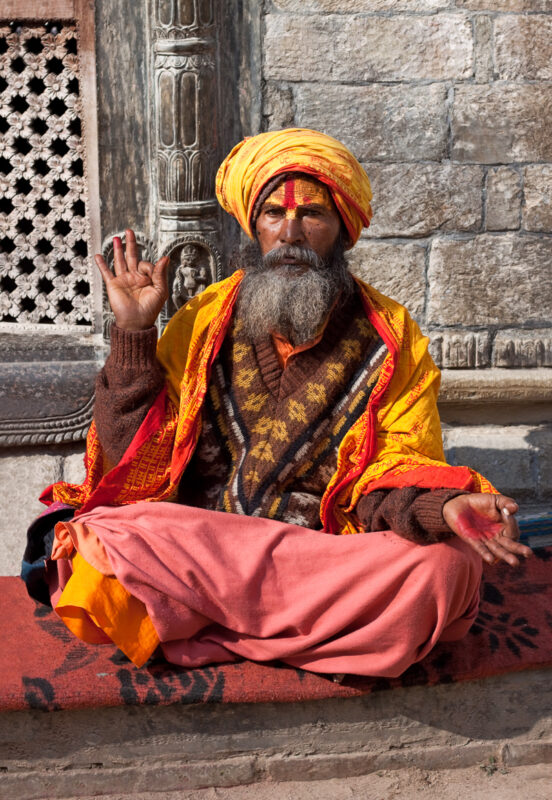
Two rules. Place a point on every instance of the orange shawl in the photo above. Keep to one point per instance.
(396, 442)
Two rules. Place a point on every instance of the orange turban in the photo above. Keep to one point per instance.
(257, 159)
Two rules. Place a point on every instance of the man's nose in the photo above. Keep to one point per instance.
(291, 231)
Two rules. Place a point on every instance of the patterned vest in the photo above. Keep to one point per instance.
(270, 437)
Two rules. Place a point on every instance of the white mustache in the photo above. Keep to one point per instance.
(303, 255)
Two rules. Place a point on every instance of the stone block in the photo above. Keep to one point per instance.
(505, 5)
(538, 753)
(523, 348)
(537, 191)
(396, 270)
(542, 441)
(483, 28)
(277, 107)
(339, 47)
(23, 478)
(354, 6)
(73, 468)
(418, 199)
(458, 349)
(523, 47)
(502, 123)
(503, 199)
(483, 281)
(503, 454)
(391, 123)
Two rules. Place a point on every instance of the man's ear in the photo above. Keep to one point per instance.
(345, 238)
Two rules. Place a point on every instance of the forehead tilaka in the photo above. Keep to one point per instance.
(299, 191)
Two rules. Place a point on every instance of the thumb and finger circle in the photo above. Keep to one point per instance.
(145, 268)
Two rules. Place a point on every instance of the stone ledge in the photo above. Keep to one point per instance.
(45, 403)
(496, 386)
(47, 386)
(162, 749)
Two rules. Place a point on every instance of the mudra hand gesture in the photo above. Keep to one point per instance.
(138, 289)
(487, 523)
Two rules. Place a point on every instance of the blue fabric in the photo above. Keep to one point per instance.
(40, 539)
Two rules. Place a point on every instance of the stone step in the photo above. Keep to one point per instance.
(129, 751)
(489, 781)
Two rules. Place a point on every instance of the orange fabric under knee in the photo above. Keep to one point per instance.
(99, 610)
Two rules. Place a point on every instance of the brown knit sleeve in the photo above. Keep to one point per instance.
(126, 387)
(413, 513)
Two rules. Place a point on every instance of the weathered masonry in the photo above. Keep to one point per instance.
(116, 114)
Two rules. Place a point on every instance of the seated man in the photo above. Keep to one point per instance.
(283, 408)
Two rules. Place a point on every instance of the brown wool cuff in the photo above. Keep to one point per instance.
(428, 508)
(133, 349)
(413, 513)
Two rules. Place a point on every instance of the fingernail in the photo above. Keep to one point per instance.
(505, 512)
(117, 240)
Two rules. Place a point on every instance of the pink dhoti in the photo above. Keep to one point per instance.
(217, 587)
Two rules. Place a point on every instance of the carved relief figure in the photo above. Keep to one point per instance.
(191, 276)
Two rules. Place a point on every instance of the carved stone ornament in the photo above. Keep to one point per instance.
(185, 96)
(69, 428)
(195, 17)
(523, 348)
(454, 349)
(195, 263)
(44, 235)
(48, 199)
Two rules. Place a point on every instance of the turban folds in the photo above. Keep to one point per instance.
(257, 159)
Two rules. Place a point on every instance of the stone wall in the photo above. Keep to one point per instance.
(448, 106)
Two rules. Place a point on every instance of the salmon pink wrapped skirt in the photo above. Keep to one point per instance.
(211, 587)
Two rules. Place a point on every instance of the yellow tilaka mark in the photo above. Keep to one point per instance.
(245, 377)
(263, 451)
(316, 392)
(275, 427)
(338, 425)
(274, 508)
(297, 411)
(351, 348)
(240, 351)
(255, 402)
(335, 371)
(364, 326)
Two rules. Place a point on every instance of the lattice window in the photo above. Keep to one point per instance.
(44, 239)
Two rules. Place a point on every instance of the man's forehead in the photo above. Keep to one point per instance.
(300, 191)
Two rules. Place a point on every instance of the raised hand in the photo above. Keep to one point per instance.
(487, 523)
(138, 289)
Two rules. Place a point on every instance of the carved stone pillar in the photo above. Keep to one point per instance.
(185, 90)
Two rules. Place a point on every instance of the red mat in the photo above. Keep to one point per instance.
(44, 666)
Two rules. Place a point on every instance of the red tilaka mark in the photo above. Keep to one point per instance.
(289, 195)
